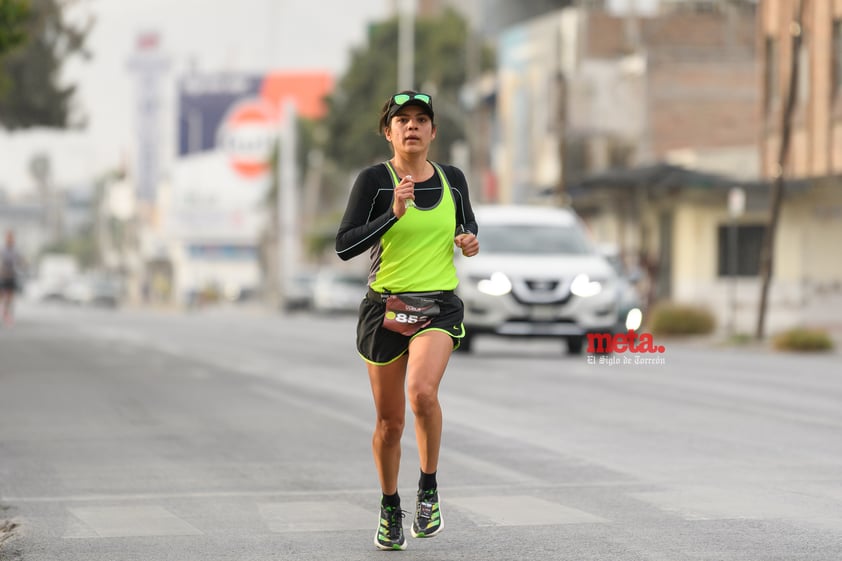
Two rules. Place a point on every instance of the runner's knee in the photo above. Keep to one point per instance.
(423, 399)
(390, 430)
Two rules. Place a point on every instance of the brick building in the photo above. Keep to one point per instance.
(697, 251)
(817, 123)
(603, 90)
(699, 83)
(656, 119)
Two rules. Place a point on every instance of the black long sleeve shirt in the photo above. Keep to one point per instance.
(369, 212)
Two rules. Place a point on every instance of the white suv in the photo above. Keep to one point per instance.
(537, 274)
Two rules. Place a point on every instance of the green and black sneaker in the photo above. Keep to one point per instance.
(390, 531)
(428, 521)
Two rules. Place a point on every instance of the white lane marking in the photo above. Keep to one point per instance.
(274, 493)
(129, 521)
(519, 510)
(316, 516)
(748, 503)
(700, 504)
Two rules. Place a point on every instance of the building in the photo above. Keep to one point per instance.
(655, 124)
(811, 223)
(698, 247)
(584, 90)
(817, 121)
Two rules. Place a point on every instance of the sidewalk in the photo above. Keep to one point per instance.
(721, 340)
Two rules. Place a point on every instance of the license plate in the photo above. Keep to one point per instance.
(543, 313)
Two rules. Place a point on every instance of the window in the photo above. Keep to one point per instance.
(535, 239)
(749, 242)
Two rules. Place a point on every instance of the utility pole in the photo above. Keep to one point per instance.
(767, 251)
(406, 45)
(272, 241)
(736, 208)
(561, 113)
(561, 124)
(288, 208)
(40, 168)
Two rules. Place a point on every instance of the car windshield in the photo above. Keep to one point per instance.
(535, 239)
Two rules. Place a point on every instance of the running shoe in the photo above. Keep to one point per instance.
(428, 521)
(390, 531)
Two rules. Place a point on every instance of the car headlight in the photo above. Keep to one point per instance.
(634, 319)
(584, 287)
(497, 284)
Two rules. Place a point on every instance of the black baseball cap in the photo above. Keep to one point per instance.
(409, 97)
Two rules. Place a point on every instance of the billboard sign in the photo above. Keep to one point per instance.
(228, 125)
(149, 67)
(247, 135)
(241, 114)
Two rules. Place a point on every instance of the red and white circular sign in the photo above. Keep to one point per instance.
(248, 135)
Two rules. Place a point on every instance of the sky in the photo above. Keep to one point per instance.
(210, 35)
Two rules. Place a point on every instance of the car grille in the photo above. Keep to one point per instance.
(541, 285)
(540, 291)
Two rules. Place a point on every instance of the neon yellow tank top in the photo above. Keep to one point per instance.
(416, 253)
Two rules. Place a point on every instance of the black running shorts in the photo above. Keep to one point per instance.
(378, 345)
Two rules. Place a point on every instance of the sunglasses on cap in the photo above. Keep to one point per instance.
(401, 98)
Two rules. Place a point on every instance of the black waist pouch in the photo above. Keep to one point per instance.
(408, 313)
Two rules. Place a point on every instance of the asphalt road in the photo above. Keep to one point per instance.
(236, 435)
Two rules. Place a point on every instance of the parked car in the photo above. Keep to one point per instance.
(299, 295)
(538, 274)
(94, 289)
(338, 291)
(631, 301)
(55, 272)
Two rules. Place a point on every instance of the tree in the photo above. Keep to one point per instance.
(30, 92)
(441, 69)
(12, 16)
